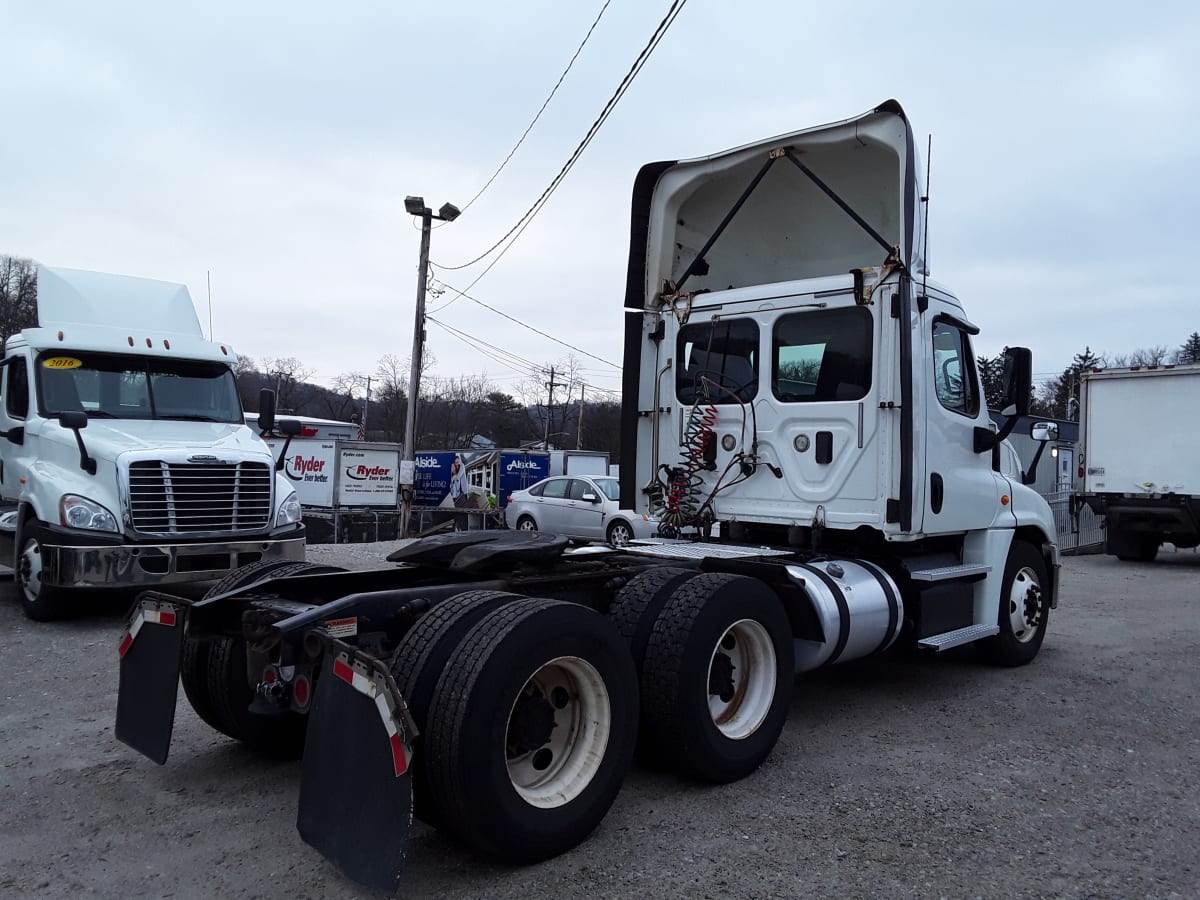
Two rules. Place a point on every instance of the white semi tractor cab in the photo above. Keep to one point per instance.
(124, 456)
(1138, 465)
(803, 414)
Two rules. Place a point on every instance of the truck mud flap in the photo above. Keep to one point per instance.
(150, 650)
(356, 783)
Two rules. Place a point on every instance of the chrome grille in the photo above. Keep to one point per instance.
(195, 498)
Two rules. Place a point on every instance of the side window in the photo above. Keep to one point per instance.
(556, 489)
(579, 487)
(717, 362)
(822, 355)
(16, 388)
(536, 490)
(954, 379)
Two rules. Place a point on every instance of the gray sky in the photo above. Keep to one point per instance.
(273, 144)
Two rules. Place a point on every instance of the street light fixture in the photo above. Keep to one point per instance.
(415, 206)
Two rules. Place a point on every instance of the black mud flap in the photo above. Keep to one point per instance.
(150, 649)
(356, 785)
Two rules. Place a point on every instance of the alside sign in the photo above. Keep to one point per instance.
(474, 479)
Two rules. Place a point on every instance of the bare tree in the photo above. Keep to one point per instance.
(291, 378)
(340, 401)
(1144, 356)
(18, 296)
(556, 412)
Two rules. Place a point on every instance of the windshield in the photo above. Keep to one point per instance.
(114, 386)
(610, 486)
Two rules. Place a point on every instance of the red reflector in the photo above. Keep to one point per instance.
(399, 760)
(343, 671)
(269, 676)
(166, 618)
(126, 643)
(301, 690)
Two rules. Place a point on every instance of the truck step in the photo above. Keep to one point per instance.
(958, 637)
(949, 573)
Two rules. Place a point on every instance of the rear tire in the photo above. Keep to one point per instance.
(193, 665)
(526, 523)
(718, 677)
(532, 729)
(419, 660)
(214, 675)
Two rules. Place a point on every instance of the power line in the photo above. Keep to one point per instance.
(553, 91)
(655, 38)
(523, 325)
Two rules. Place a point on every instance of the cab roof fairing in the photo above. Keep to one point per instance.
(788, 229)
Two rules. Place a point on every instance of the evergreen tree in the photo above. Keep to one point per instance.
(1190, 351)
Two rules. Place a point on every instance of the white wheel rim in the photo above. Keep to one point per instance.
(745, 698)
(526, 525)
(31, 570)
(559, 770)
(1025, 605)
(620, 535)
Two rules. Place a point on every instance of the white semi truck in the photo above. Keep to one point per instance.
(1138, 466)
(124, 457)
(802, 410)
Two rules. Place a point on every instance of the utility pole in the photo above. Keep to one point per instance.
(366, 407)
(549, 412)
(415, 206)
(579, 424)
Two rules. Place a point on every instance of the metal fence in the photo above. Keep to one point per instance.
(1079, 533)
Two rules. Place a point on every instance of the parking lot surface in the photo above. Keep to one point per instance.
(1077, 776)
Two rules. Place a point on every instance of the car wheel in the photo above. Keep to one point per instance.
(619, 533)
(526, 523)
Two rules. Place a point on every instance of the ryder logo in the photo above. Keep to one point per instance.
(365, 473)
(305, 468)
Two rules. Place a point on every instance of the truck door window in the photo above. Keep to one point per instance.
(717, 362)
(954, 379)
(822, 355)
(16, 389)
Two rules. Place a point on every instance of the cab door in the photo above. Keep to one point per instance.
(14, 412)
(961, 490)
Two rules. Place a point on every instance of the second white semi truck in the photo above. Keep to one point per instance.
(804, 414)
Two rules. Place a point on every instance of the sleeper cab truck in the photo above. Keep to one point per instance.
(802, 411)
(125, 460)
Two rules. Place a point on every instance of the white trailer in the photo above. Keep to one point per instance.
(1138, 462)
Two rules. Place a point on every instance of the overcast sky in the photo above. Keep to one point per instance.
(273, 144)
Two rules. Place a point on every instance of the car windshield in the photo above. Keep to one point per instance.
(118, 386)
(610, 486)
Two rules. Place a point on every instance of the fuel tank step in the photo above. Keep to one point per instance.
(949, 573)
(958, 637)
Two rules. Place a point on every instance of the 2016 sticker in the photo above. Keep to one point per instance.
(62, 362)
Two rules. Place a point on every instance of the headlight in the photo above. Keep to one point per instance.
(289, 511)
(80, 512)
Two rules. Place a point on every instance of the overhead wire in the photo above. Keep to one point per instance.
(546, 103)
(515, 231)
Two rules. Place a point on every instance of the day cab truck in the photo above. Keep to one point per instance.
(125, 461)
(802, 411)
(1138, 466)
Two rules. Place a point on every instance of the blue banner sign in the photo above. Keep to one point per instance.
(519, 471)
(474, 479)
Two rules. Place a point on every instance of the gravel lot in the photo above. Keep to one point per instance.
(1077, 776)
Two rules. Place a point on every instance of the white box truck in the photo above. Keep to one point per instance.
(125, 458)
(1138, 465)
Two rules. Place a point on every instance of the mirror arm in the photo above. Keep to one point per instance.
(1031, 476)
(85, 461)
(287, 442)
(986, 439)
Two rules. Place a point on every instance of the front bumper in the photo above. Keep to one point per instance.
(144, 565)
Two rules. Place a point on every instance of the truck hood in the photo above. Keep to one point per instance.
(108, 438)
(780, 224)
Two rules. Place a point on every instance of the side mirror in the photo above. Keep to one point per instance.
(73, 419)
(590, 497)
(1018, 380)
(266, 410)
(1044, 431)
(289, 427)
